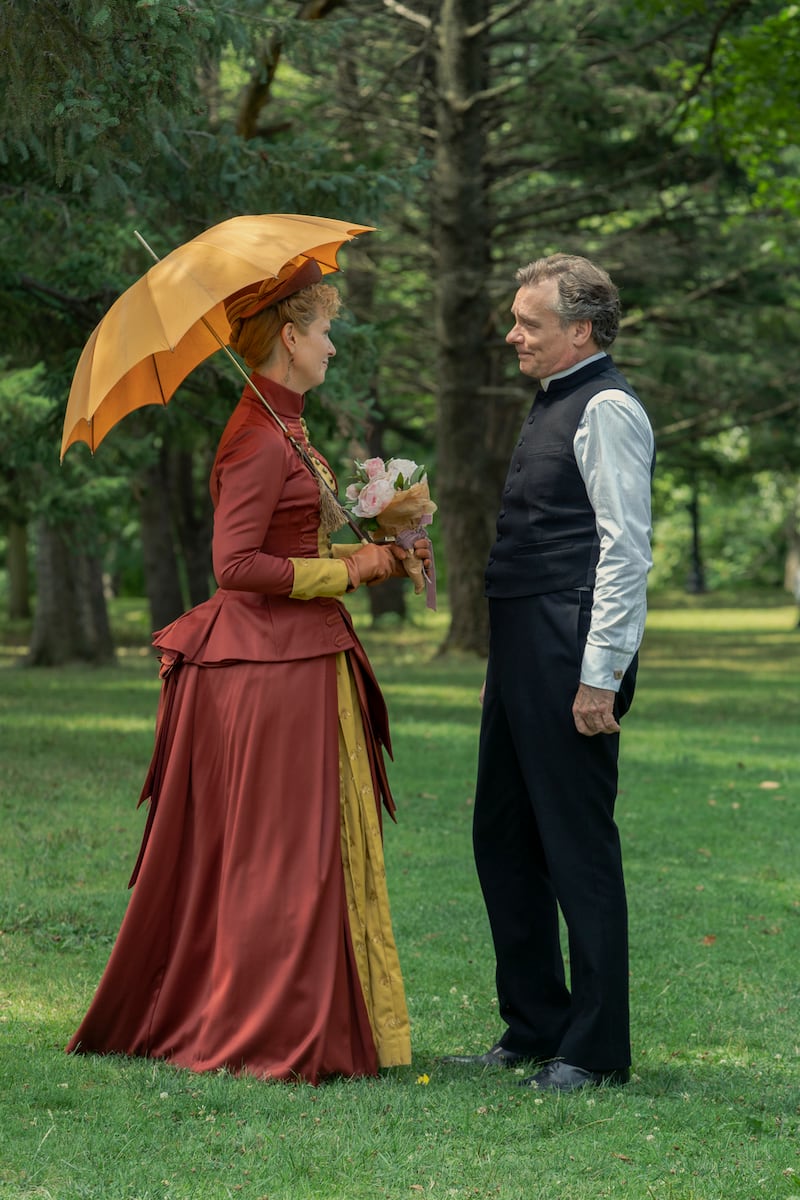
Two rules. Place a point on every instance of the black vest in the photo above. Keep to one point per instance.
(546, 532)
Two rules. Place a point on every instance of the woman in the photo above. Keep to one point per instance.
(258, 936)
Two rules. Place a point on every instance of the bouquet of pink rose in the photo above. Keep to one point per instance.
(393, 498)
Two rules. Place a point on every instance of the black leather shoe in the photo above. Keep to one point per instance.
(559, 1076)
(498, 1056)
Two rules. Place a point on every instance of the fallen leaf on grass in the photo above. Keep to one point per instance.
(623, 1157)
(769, 784)
(709, 939)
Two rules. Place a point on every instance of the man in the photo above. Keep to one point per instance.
(566, 583)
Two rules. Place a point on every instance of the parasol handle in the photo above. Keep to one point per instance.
(305, 457)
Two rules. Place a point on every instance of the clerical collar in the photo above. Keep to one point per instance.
(545, 383)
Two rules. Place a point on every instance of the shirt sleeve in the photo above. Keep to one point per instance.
(614, 452)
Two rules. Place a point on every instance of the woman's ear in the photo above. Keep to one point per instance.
(288, 336)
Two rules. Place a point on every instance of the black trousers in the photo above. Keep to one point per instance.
(545, 837)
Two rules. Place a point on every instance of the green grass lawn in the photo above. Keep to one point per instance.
(708, 810)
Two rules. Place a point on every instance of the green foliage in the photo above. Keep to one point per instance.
(743, 530)
(76, 494)
(64, 107)
(708, 808)
(748, 111)
(659, 138)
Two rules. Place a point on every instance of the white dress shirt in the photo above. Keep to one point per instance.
(614, 450)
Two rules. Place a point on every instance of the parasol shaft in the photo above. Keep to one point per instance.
(304, 456)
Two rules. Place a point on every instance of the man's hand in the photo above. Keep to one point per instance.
(593, 710)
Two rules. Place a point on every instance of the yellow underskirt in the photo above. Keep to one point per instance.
(365, 885)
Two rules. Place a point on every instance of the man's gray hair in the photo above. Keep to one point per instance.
(585, 293)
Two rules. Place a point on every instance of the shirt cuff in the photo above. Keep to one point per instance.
(318, 577)
(603, 668)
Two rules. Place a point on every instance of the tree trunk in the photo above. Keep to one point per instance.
(70, 618)
(390, 597)
(696, 583)
(791, 566)
(161, 574)
(193, 523)
(467, 494)
(19, 592)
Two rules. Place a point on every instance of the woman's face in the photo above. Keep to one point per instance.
(311, 351)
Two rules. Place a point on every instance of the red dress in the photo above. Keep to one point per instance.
(257, 937)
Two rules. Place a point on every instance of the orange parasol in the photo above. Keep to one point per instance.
(173, 318)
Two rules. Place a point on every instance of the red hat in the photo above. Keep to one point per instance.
(257, 296)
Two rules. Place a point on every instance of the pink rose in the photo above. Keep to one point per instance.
(374, 497)
(374, 467)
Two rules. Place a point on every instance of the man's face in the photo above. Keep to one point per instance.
(544, 346)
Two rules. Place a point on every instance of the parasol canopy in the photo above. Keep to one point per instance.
(173, 318)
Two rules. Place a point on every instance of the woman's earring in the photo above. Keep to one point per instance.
(289, 366)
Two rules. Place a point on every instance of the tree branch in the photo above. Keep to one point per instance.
(662, 312)
(738, 6)
(700, 421)
(84, 310)
(258, 92)
(314, 10)
(403, 10)
(495, 18)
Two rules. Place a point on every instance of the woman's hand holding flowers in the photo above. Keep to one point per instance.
(421, 549)
(370, 564)
(393, 498)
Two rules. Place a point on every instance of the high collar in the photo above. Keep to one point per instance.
(565, 381)
(283, 400)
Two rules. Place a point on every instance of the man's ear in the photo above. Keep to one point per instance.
(582, 332)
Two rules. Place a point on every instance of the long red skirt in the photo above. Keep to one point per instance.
(235, 950)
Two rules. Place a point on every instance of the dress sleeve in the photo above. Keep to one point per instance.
(251, 473)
